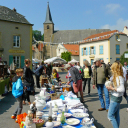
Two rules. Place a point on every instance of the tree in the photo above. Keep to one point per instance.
(37, 35)
(66, 56)
(123, 59)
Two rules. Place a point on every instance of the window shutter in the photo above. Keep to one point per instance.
(10, 59)
(94, 50)
(89, 50)
(117, 49)
(82, 51)
(22, 61)
(100, 49)
(86, 51)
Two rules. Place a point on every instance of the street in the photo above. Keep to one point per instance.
(8, 104)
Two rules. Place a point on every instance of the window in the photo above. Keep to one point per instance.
(16, 60)
(84, 51)
(127, 46)
(47, 26)
(92, 50)
(117, 37)
(117, 58)
(16, 41)
(101, 49)
(117, 49)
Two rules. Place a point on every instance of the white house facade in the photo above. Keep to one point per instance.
(108, 46)
(60, 49)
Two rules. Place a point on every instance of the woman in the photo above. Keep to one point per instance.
(28, 81)
(117, 91)
(86, 73)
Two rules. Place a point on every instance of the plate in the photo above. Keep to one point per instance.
(72, 121)
(66, 115)
(93, 127)
(80, 115)
(68, 126)
(56, 123)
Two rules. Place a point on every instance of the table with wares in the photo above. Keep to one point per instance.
(66, 112)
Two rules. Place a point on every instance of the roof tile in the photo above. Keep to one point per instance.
(73, 48)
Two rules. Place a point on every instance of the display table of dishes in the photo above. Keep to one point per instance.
(75, 114)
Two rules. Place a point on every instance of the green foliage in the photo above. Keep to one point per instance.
(66, 56)
(123, 59)
(37, 35)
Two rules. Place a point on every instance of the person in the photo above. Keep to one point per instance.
(125, 81)
(99, 78)
(48, 71)
(77, 80)
(117, 90)
(71, 81)
(86, 73)
(28, 81)
(17, 92)
(38, 73)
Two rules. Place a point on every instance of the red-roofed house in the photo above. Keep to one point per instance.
(108, 46)
(73, 48)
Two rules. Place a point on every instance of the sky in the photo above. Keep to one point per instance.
(73, 14)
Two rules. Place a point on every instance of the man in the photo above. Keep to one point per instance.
(99, 78)
(38, 73)
(77, 80)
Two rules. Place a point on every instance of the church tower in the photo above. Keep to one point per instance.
(48, 26)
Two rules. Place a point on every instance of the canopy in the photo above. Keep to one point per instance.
(73, 61)
(36, 61)
(55, 60)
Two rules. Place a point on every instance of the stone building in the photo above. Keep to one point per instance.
(15, 37)
(59, 36)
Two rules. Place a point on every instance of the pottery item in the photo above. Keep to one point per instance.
(87, 122)
(72, 121)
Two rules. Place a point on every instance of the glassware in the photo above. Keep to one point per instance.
(63, 118)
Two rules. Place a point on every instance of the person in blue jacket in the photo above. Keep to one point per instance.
(38, 73)
(17, 92)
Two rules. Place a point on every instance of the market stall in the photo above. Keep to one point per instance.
(73, 61)
(63, 111)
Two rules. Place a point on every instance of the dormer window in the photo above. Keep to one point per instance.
(47, 26)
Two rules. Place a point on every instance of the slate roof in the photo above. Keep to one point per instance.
(48, 19)
(74, 35)
(73, 48)
(101, 36)
(7, 14)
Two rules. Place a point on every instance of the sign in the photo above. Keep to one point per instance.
(16, 51)
(126, 55)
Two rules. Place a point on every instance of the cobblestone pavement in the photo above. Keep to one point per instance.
(8, 104)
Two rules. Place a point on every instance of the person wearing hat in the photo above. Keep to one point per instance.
(77, 80)
(99, 78)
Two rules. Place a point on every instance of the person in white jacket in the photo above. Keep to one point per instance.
(117, 91)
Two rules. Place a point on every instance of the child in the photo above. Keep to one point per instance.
(54, 73)
(17, 92)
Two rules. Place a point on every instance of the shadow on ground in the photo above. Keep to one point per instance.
(6, 102)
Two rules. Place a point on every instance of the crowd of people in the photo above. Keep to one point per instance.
(98, 74)
(23, 83)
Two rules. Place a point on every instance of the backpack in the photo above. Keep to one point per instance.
(57, 76)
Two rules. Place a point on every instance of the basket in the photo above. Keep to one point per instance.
(39, 125)
(54, 96)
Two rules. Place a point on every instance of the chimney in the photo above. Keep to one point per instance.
(14, 9)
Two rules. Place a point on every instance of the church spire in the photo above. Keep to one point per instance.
(48, 16)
